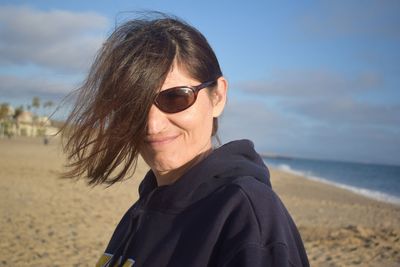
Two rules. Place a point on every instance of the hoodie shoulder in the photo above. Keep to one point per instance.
(263, 201)
(276, 227)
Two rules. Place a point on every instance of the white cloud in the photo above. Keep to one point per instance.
(347, 111)
(56, 39)
(353, 18)
(254, 120)
(312, 83)
(327, 97)
(14, 86)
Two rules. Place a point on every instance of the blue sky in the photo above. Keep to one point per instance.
(318, 79)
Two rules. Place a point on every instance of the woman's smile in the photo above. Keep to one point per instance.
(157, 142)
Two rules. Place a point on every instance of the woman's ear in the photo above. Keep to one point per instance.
(219, 96)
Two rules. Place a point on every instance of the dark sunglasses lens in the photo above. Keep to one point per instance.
(175, 100)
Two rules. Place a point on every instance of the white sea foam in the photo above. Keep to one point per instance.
(288, 169)
(358, 190)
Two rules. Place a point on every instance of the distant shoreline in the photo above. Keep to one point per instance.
(370, 194)
(287, 157)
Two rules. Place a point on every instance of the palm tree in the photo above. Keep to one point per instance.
(48, 104)
(36, 104)
(17, 112)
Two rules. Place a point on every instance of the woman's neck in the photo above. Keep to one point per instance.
(171, 176)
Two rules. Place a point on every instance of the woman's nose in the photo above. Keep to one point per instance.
(156, 121)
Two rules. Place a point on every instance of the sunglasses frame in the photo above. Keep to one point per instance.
(195, 90)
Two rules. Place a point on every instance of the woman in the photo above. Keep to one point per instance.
(156, 89)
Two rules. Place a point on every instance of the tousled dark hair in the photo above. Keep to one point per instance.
(108, 122)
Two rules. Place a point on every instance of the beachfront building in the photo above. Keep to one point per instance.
(26, 124)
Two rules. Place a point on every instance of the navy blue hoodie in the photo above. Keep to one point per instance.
(222, 212)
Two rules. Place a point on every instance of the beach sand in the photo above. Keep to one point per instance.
(47, 221)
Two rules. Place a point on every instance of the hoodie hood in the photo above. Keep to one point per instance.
(224, 164)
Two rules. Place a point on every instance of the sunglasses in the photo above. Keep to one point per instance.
(179, 98)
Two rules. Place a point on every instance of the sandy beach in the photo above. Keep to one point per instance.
(48, 221)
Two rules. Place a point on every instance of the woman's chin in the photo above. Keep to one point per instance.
(164, 165)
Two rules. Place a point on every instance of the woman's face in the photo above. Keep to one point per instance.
(173, 140)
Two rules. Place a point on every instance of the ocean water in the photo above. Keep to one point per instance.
(381, 182)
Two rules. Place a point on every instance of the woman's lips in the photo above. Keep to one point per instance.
(160, 141)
